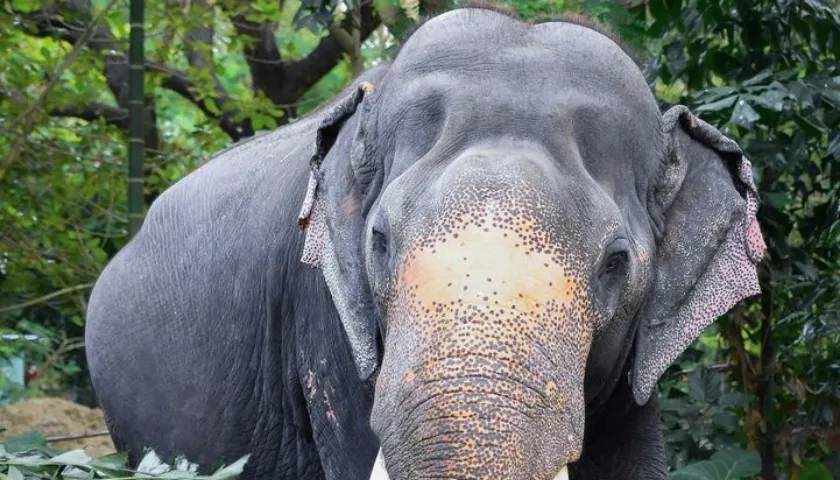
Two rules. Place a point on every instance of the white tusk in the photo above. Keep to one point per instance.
(379, 472)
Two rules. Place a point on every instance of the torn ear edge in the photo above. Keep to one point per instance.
(729, 276)
(312, 216)
(741, 170)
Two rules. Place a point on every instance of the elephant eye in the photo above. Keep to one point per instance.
(616, 257)
(379, 243)
(611, 275)
(380, 246)
(616, 262)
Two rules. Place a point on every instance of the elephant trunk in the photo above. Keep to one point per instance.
(488, 326)
(467, 414)
(484, 360)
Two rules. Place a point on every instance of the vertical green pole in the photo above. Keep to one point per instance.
(136, 105)
(357, 63)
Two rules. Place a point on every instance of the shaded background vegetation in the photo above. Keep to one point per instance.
(759, 393)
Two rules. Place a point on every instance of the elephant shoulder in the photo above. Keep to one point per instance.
(227, 226)
(194, 301)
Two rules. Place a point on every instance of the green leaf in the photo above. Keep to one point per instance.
(779, 200)
(812, 470)
(833, 96)
(73, 457)
(25, 442)
(14, 473)
(743, 114)
(411, 9)
(704, 385)
(718, 105)
(26, 5)
(151, 464)
(114, 461)
(712, 94)
(761, 77)
(724, 465)
(771, 99)
(231, 470)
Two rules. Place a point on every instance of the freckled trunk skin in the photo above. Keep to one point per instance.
(488, 336)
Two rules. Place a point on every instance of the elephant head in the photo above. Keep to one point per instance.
(509, 228)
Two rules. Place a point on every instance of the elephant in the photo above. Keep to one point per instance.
(474, 264)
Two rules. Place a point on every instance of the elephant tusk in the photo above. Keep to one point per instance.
(379, 472)
(563, 475)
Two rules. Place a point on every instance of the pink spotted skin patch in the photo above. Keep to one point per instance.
(755, 242)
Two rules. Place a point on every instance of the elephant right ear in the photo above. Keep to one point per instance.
(334, 225)
(703, 206)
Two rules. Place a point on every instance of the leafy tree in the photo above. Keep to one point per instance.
(768, 73)
(216, 72)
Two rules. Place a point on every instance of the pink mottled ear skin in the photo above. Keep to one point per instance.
(755, 242)
(313, 219)
(730, 274)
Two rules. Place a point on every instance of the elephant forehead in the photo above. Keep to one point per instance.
(484, 262)
(494, 248)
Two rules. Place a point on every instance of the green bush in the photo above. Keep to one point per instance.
(27, 457)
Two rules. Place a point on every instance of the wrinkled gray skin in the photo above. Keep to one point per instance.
(506, 216)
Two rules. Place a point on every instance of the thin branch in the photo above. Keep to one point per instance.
(344, 39)
(263, 56)
(93, 111)
(25, 120)
(44, 298)
(302, 74)
(80, 436)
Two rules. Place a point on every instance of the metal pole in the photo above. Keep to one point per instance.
(136, 106)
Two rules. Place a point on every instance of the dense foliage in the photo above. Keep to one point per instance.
(29, 458)
(768, 72)
(759, 392)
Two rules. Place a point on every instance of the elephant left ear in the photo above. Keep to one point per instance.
(333, 228)
(703, 205)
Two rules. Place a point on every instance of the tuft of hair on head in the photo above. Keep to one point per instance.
(492, 6)
(591, 24)
(474, 4)
(509, 11)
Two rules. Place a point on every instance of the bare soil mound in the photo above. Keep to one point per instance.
(54, 417)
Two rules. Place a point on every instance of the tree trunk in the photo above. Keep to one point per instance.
(766, 387)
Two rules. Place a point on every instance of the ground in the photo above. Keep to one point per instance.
(53, 417)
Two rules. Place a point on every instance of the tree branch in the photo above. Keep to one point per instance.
(198, 43)
(301, 75)
(66, 20)
(179, 82)
(94, 111)
(263, 57)
(79, 436)
(68, 24)
(24, 121)
(46, 297)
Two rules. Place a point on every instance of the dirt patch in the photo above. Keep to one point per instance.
(56, 416)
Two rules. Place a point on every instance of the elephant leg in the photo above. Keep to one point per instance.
(623, 441)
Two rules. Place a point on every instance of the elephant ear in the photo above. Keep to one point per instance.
(703, 204)
(332, 218)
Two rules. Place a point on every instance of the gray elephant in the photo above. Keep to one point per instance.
(512, 244)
